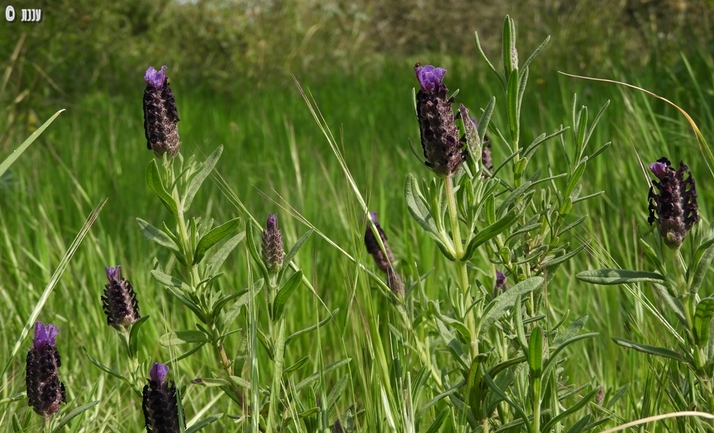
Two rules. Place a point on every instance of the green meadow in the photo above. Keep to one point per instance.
(276, 160)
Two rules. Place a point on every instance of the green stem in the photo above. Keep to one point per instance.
(278, 362)
(195, 279)
(536, 406)
(461, 267)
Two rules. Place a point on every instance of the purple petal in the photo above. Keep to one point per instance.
(373, 217)
(272, 222)
(500, 278)
(44, 335)
(158, 372)
(155, 78)
(659, 169)
(429, 76)
(114, 274)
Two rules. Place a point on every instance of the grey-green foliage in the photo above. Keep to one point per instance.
(501, 372)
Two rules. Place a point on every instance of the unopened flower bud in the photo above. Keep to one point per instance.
(273, 252)
(119, 301)
(45, 392)
(674, 207)
(160, 114)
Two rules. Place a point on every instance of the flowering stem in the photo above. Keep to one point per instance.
(461, 266)
(195, 279)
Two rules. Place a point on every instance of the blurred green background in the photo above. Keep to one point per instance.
(232, 66)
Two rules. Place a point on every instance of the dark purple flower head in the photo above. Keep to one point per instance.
(45, 392)
(674, 207)
(440, 142)
(273, 251)
(155, 78)
(429, 77)
(383, 259)
(119, 301)
(159, 402)
(44, 335)
(160, 114)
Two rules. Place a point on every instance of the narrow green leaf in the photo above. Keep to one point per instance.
(535, 353)
(235, 308)
(336, 392)
(103, 367)
(72, 415)
(216, 260)
(555, 261)
(519, 410)
(702, 318)
(415, 204)
(619, 276)
(134, 334)
(203, 423)
(571, 331)
(650, 350)
(195, 184)
(170, 281)
(553, 358)
(488, 62)
(314, 377)
(512, 94)
(213, 237)
(25, 144)
(153, 179)
(571, 410)
(157, 235)
(293, 252)
(285, 292)
(498, 307)
(460, 327)
(311, 328)
(535, 52)
(581, 125)
(181, 337)
(703, 260)
(296, 366)
(438, 421)
(509, 42)
(575, 178)
(257, 257)
(491, 232)
(485, 119)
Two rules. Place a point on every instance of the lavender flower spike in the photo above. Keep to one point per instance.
(385, 262)
(159, 403)
(674, 208)
(119, 301)
(439, 135)
(45, 392)
(160, 114)
(273, 252)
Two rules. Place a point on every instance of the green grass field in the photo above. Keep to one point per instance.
(277, 161)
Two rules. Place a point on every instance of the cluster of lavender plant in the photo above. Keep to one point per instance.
(678, 277)
(470, 347)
